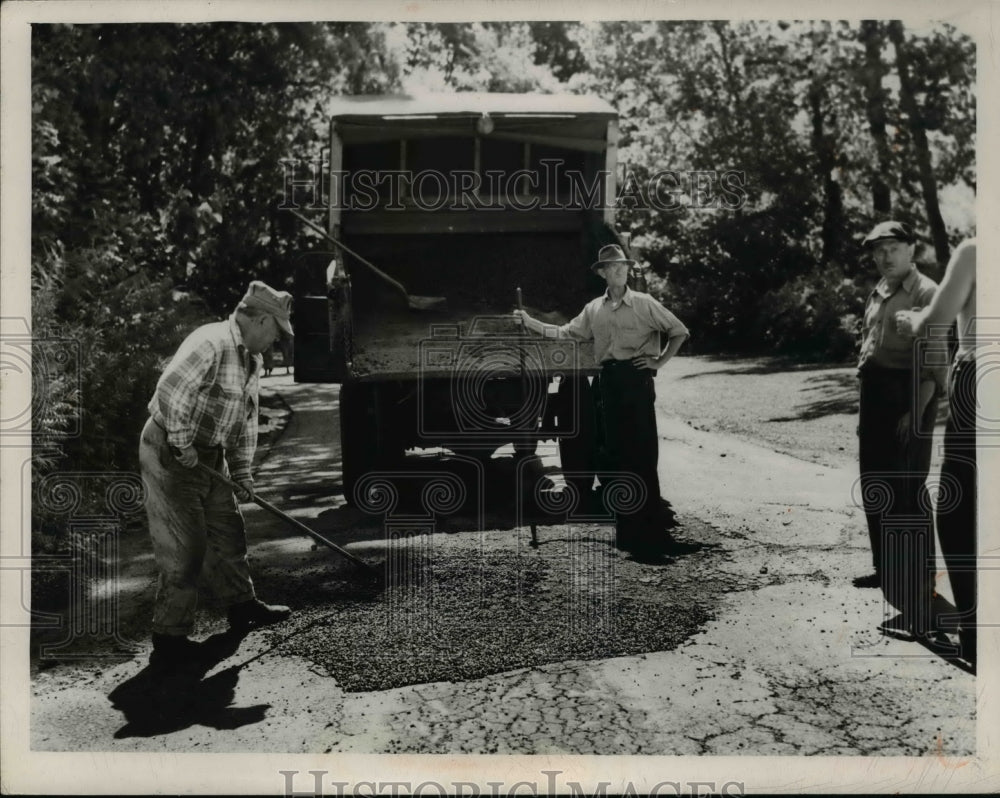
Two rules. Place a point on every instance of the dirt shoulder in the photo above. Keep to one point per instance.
(806, 410)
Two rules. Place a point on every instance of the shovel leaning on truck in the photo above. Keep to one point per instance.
(413, 302)
(371, 572)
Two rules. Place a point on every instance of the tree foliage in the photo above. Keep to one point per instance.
(811, 114)
(157, 163)
(157, 167)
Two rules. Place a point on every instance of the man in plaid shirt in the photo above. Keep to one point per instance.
(204, 411)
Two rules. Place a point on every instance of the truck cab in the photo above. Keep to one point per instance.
(473, 202)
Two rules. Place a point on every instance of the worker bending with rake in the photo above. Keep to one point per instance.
(625, 327)
(203, 419)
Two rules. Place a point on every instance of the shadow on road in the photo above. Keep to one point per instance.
(942, 641)
(839, 397)
(767, 365)
(162, 700)
(158, 700)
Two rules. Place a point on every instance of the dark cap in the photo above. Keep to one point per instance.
(889, 230)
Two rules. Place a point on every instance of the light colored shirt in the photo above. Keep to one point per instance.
(622, 330)
(208, 395)
(883, 345)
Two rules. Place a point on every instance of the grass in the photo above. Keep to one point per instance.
(809, 411)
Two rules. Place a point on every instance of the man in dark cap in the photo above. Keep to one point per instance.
(204, 412)
(898, 404)
(625, 327)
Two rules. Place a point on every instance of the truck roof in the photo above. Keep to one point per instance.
(468, 103)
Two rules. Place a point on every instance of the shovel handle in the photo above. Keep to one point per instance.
(287, 518)
(390, 280)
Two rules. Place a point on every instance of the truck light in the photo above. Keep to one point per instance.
(484, 125)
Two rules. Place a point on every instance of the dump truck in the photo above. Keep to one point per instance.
(441, 213)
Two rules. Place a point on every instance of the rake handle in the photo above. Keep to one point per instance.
(287, 518)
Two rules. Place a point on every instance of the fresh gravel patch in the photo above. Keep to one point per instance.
(463, 606)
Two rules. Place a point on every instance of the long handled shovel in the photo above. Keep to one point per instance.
(292, 521)
(413, 302)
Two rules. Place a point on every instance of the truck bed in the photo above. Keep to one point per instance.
(405, 344)
(478, 275)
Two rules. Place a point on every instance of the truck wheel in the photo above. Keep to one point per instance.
(578, 453)
(370, 434)
(358, 435)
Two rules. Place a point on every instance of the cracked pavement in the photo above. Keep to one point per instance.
(790, 664)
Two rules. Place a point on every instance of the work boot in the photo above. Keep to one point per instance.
(175, 650)
(967, 641)
(253, 613)
(868, 581)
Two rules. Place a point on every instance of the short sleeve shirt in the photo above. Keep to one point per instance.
(622, 330)
(881, 344)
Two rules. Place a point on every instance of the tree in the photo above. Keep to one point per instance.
(489, 56)
(157, 174)
(922, 154)
(783, 104)
(874, 71)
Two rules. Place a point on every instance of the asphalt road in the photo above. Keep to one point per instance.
(770, 651)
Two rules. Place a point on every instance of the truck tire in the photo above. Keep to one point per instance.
(358, 431)
(370, 435)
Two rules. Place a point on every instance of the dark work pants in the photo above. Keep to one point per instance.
(894, 492)
(631, 446)
(956, 509)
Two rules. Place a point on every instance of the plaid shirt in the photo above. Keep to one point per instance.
(208, 395)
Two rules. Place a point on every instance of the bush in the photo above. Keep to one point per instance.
(812, 317)
(89, 407)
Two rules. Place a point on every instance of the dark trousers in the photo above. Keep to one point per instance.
(894, 491)
(631, 446)
(956, 509)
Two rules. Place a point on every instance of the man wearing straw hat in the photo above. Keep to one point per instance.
(204, 411)
(625, 328)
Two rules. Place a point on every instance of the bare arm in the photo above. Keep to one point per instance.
(578, 328)
(951, 296)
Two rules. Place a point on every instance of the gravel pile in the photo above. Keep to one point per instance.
(459, 607)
